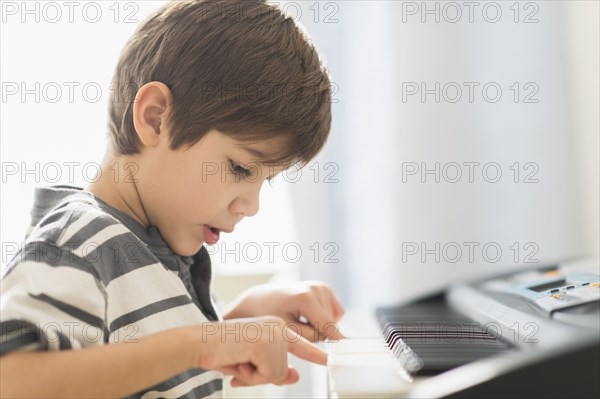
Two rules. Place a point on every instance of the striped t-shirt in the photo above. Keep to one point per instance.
(90, 275)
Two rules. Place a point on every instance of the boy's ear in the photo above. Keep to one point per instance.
(150, 112)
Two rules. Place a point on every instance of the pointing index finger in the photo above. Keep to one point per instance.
(304, 349)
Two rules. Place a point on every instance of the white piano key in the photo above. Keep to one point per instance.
(365, 368)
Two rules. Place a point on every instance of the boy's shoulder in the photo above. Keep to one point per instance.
(70, 227)
(70, 221)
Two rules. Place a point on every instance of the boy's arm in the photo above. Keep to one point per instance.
(114, 370)
(253, 350)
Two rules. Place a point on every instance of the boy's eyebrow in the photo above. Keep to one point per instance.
(254, 152)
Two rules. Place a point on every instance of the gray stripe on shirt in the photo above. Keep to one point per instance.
(89, 231)
(51, 255)
(120, 255)
(19, 333)
(148, 310)
(206, 389)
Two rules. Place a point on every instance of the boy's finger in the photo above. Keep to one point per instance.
(332, 333)
(336, 304)
(246, 370)
(291, 378)
(241, 371)
(303, 349)
(305, 330)
(319, 319)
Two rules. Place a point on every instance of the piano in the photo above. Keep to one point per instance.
(529, 332)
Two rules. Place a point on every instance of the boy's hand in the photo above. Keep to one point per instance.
(310, 308)
(254, 350)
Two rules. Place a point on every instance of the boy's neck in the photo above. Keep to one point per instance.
(117, 187)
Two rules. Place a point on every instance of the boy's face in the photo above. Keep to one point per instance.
(190, 192)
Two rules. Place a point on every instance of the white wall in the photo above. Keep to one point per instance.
(56, 63)
(542, 217)
(379, 49)
(582, 60)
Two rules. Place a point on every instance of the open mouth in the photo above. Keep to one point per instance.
(211, 234)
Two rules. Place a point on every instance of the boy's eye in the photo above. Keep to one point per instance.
(239, 170)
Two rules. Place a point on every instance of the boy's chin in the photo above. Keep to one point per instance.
(190, 248)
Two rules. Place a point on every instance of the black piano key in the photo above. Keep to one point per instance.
(440, 337)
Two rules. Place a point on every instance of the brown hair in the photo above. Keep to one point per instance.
(238, 66)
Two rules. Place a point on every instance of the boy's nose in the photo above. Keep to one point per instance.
(246, 205)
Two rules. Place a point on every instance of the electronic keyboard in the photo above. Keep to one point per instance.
(530, 332)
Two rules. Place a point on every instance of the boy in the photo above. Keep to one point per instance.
(109, 296)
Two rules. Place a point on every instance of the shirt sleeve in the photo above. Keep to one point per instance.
(51, 299)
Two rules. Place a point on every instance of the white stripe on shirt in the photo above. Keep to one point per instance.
(180, 316)
(77, 225)
(40, 278)
(126, 295)
(100, 238)
(49, 317)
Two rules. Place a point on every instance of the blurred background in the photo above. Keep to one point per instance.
(465, 139)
